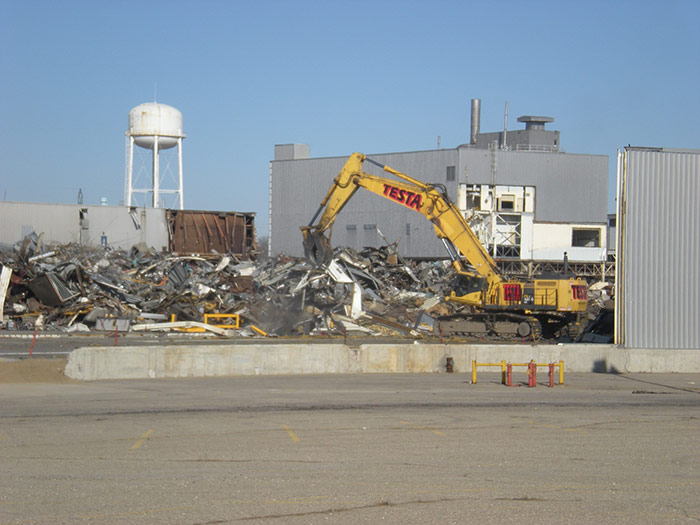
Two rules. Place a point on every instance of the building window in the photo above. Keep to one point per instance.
(451, 174)
(369, 227)
(408, 228)
(351, 227)
(586, 238)
(506, 203)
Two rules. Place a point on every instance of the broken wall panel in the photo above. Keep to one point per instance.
(51, 290)
(208, 231)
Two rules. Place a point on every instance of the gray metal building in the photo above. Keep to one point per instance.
(541, 201)
(657, 299)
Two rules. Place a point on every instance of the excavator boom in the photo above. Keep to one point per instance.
(505, 305)
(429, 200)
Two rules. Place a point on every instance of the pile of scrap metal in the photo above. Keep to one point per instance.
(82, 288)
(601, 315)
(355, 293)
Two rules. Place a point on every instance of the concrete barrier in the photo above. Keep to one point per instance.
(209, 361)
(278, 359)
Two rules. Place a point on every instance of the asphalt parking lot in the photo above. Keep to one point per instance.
(421, 448)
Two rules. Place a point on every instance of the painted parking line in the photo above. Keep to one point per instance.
(141, 440)
(420, 427)
(291, 433)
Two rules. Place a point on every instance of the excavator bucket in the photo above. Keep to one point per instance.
(317, 248)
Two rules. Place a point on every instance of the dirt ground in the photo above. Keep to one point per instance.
(34, 371)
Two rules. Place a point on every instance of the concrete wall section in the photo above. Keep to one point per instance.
(280, 359)
(209, 361)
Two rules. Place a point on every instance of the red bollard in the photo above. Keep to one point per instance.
(532, 374)
(551, 375)
(509, 375)
(31, 348)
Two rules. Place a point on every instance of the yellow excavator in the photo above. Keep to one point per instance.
(511, 309)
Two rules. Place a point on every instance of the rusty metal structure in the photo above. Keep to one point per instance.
(200, 232)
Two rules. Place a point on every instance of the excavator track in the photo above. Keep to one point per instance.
(503, 326)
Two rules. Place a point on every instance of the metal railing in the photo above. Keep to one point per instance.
(506, 371)
(602, 271)
(536, 147)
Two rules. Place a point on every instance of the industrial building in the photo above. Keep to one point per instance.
(657, 299)
(528, 202)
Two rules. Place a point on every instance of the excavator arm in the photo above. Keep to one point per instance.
(429, 200)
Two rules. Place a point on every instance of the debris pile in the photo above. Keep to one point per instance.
(81, 288)
(601, 315)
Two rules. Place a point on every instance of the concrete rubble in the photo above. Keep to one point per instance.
(77, 288)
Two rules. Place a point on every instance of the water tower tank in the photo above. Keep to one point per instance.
(146, 121)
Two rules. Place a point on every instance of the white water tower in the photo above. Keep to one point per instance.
(156, 127)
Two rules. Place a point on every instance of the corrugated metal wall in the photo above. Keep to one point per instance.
(206, 231)
(658, 287)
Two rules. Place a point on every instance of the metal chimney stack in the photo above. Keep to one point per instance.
(476, 120)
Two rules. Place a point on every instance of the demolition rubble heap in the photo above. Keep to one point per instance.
(77, 288)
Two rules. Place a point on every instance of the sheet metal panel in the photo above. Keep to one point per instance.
(658, 290)
(195, 231)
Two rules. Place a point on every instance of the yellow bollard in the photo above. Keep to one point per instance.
(503, 372)
(561, 372)
(474, 372)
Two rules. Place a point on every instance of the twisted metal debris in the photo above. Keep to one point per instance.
(81, 288)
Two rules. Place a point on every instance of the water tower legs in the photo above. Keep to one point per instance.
(181, 191)
(156, 191)
(129, 170)
(156, 174)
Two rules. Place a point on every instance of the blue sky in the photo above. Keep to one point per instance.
(341, 76)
